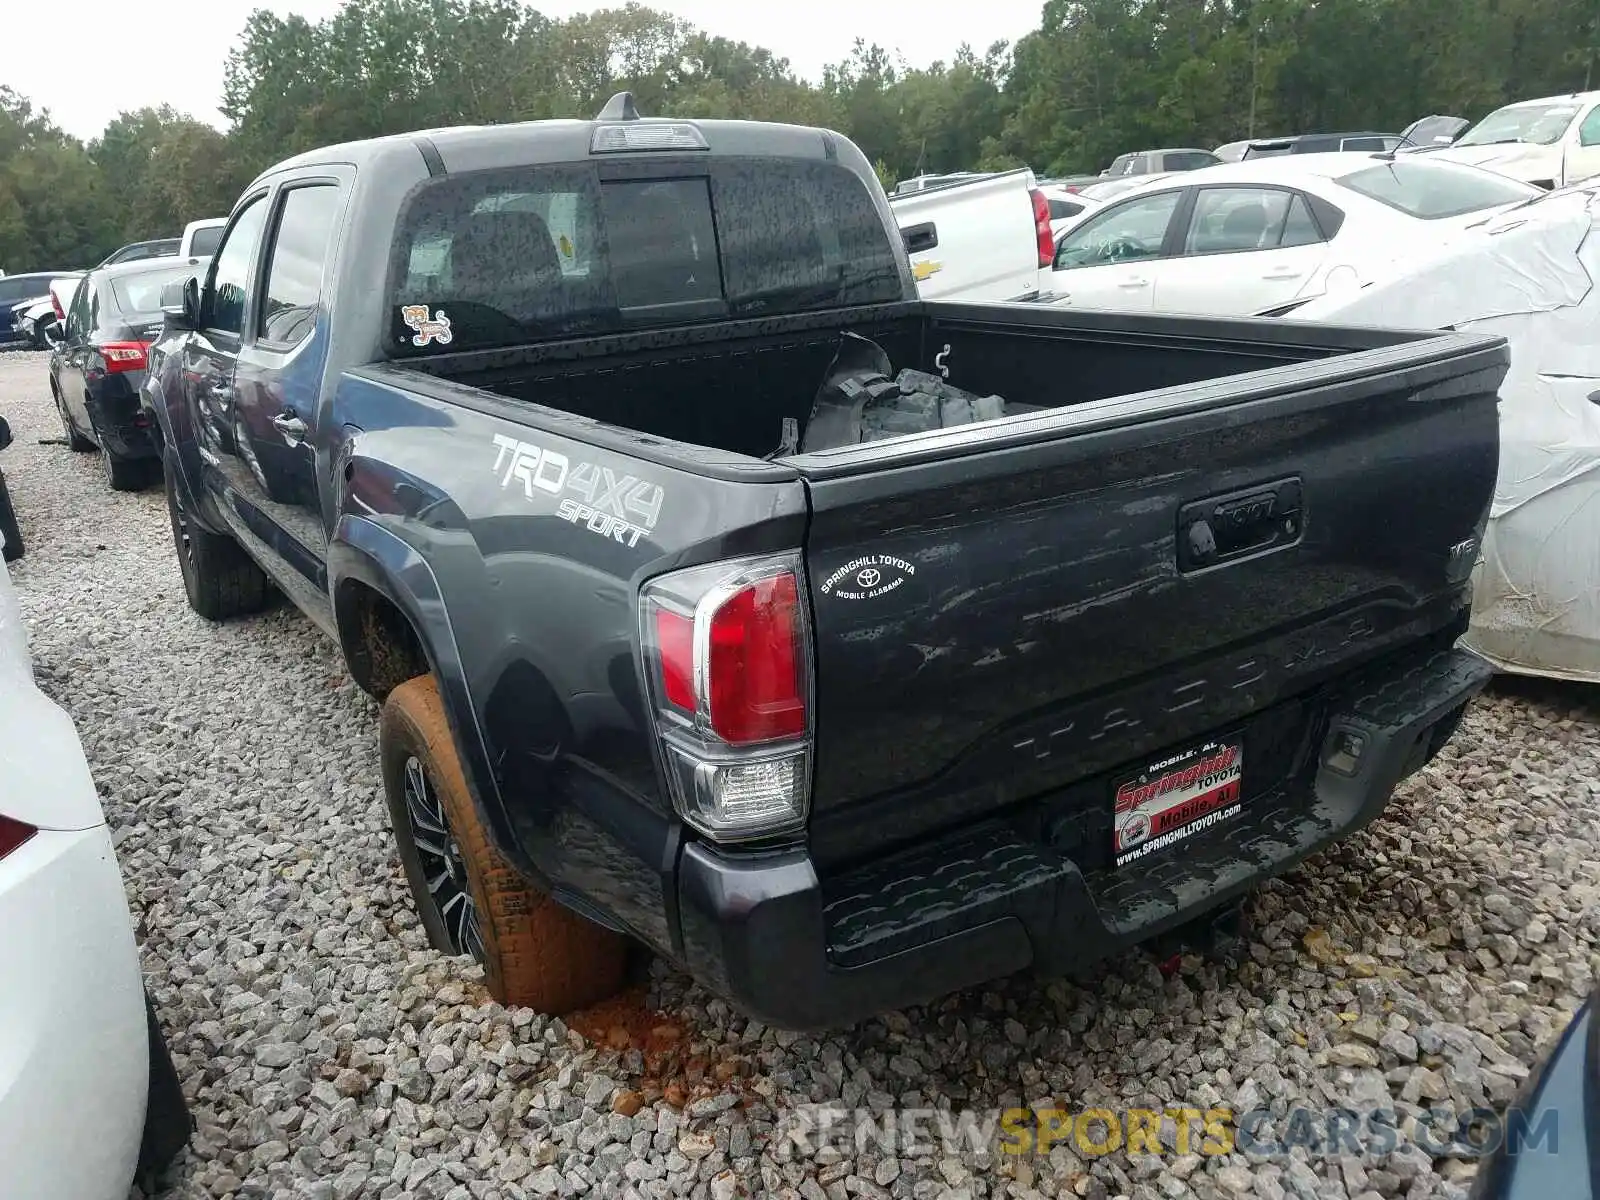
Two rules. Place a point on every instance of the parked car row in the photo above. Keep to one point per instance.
(100, 365)
(1551, 142)
(23, 299)
(33, 305)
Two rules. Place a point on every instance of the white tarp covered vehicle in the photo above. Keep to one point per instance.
(1528, 274)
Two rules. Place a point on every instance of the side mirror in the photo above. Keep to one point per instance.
(180, 304)
(5, 433)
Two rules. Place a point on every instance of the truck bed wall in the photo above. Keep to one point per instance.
(733, 392)
(985, 350)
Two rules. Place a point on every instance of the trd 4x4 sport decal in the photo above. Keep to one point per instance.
(623, 508)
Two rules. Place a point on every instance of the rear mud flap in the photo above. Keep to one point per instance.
(167, 1120)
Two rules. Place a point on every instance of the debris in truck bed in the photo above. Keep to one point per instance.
(863, 400)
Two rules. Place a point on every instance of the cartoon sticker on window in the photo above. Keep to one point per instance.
(429, 329)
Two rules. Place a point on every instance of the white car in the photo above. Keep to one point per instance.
(1259, 237)
(89, 1099)
(1067, 208)
(1529, 277)
(1550, 142)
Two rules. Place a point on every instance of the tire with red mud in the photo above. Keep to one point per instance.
(535, 953)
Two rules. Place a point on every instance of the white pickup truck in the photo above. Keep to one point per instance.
(981, 239)
(201, 238)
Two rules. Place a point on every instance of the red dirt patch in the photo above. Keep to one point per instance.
(677, 1067)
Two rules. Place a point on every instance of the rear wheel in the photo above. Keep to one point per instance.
(75, 440)
(127, 474)
(534, 952)
(219, 578)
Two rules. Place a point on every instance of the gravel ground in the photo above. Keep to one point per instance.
(329, 1053)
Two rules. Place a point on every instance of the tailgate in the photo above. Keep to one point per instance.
(1002, 612)
(972, 241)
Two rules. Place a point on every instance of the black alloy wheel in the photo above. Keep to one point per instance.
(442, 864)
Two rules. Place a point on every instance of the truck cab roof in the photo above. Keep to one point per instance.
(528, 143)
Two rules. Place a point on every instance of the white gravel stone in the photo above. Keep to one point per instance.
(329, 1052)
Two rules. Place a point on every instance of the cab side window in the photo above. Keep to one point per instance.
(1131, 230)
(230, 270)
(300, 247)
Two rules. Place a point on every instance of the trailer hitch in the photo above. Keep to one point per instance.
(1210, 933)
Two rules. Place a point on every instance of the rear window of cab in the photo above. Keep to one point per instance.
(500, 257)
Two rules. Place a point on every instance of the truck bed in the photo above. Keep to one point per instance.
(730, 386)
(1051, 627)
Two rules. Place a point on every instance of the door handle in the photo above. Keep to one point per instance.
(1239, 524)
(1134, 283)
(1282, 273)
(920, 237)
(291, 426)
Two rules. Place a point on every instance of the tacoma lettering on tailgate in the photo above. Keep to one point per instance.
(623, 508)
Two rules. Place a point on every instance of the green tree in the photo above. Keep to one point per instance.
(1097, 78)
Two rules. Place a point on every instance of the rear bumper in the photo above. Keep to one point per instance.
(121, 427)
(798, 952)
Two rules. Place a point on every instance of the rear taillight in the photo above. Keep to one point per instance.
(727, 652)
(124, 356)
(55, 303)
(13, 834)
(1041, 226)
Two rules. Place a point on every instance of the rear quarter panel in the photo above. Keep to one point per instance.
(471, 513)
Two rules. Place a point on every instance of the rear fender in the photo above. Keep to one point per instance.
(362, 551)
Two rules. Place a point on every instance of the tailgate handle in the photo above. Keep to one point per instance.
(1241, 524)
(920, 237)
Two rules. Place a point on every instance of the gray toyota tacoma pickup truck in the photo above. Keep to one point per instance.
(845, 649)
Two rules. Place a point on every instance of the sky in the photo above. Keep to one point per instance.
(40, 61)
